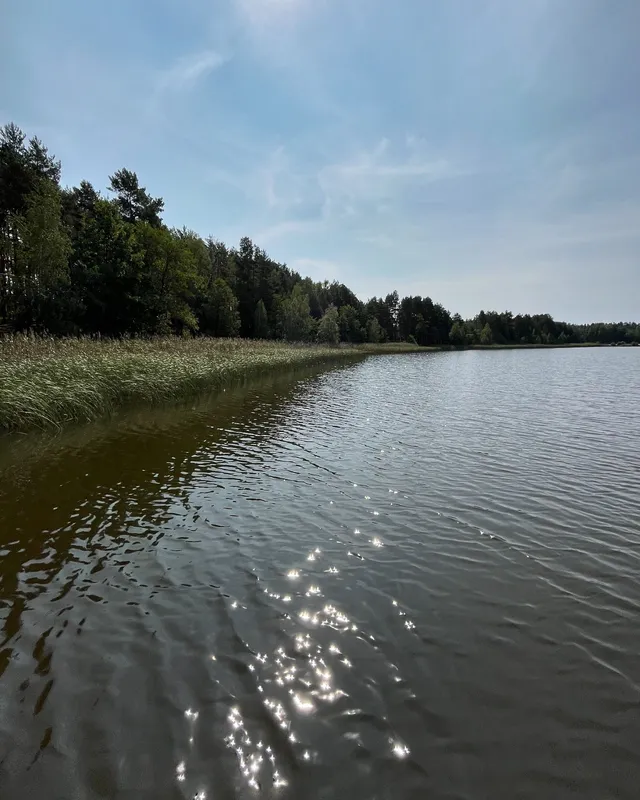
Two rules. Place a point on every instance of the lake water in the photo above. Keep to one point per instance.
(415, 577)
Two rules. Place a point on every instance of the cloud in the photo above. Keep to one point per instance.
(318, 269)
(286, 229)
(378, 179)
(377, 240)
(467, 150)
(185, 73)
(289, 185)
(276, 165)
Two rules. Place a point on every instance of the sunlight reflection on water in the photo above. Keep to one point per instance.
(413, 578)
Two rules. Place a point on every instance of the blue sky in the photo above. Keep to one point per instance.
(483, 152)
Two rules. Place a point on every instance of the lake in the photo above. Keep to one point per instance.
(414, 577)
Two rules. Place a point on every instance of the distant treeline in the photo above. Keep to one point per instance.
(73, 262)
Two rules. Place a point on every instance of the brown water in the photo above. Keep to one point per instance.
(416, 577)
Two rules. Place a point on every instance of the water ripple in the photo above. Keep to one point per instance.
(414, 577)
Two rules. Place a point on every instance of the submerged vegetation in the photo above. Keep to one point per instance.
(47, 382)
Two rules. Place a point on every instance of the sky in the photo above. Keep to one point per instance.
(485, 153)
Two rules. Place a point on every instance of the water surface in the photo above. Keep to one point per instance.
(414, 577)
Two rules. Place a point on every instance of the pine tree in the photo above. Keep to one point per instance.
(42, 269)
(133, 200)
(260, 321)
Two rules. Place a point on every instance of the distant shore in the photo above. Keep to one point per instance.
(541, 346)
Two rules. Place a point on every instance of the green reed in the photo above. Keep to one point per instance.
(48, 383)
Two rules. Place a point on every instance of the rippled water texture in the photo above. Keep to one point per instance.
(416, 577)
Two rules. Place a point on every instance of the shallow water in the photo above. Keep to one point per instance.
(414, 577)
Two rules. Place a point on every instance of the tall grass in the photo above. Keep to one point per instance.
(48, 383)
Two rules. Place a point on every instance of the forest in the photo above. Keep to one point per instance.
(76, 263)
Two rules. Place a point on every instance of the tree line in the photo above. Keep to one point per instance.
(74, 262)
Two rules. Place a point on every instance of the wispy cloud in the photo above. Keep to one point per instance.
(377, 178)
(320, 269)
(289, 183)
(482, 151)
(286, 229)
(185, 73)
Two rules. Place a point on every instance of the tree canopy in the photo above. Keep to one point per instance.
(75, 262)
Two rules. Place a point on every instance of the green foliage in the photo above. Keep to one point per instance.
(261, 321)
(22, 166)
(390, 322)
(77, 204)
(542, 329)
(328, 330)
(220, 316)
(104, 267)
(41, 270)
(457, 334)
(27, 172)
(349, 324)
(294, 316)
(221, 263)
(486, 336)
(133, 200)
(375, 334)
(428, 322)
(165, 282)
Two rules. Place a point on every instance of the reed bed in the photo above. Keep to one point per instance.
(49, 383)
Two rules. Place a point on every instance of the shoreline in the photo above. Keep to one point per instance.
(49, 384)
(560, 346)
